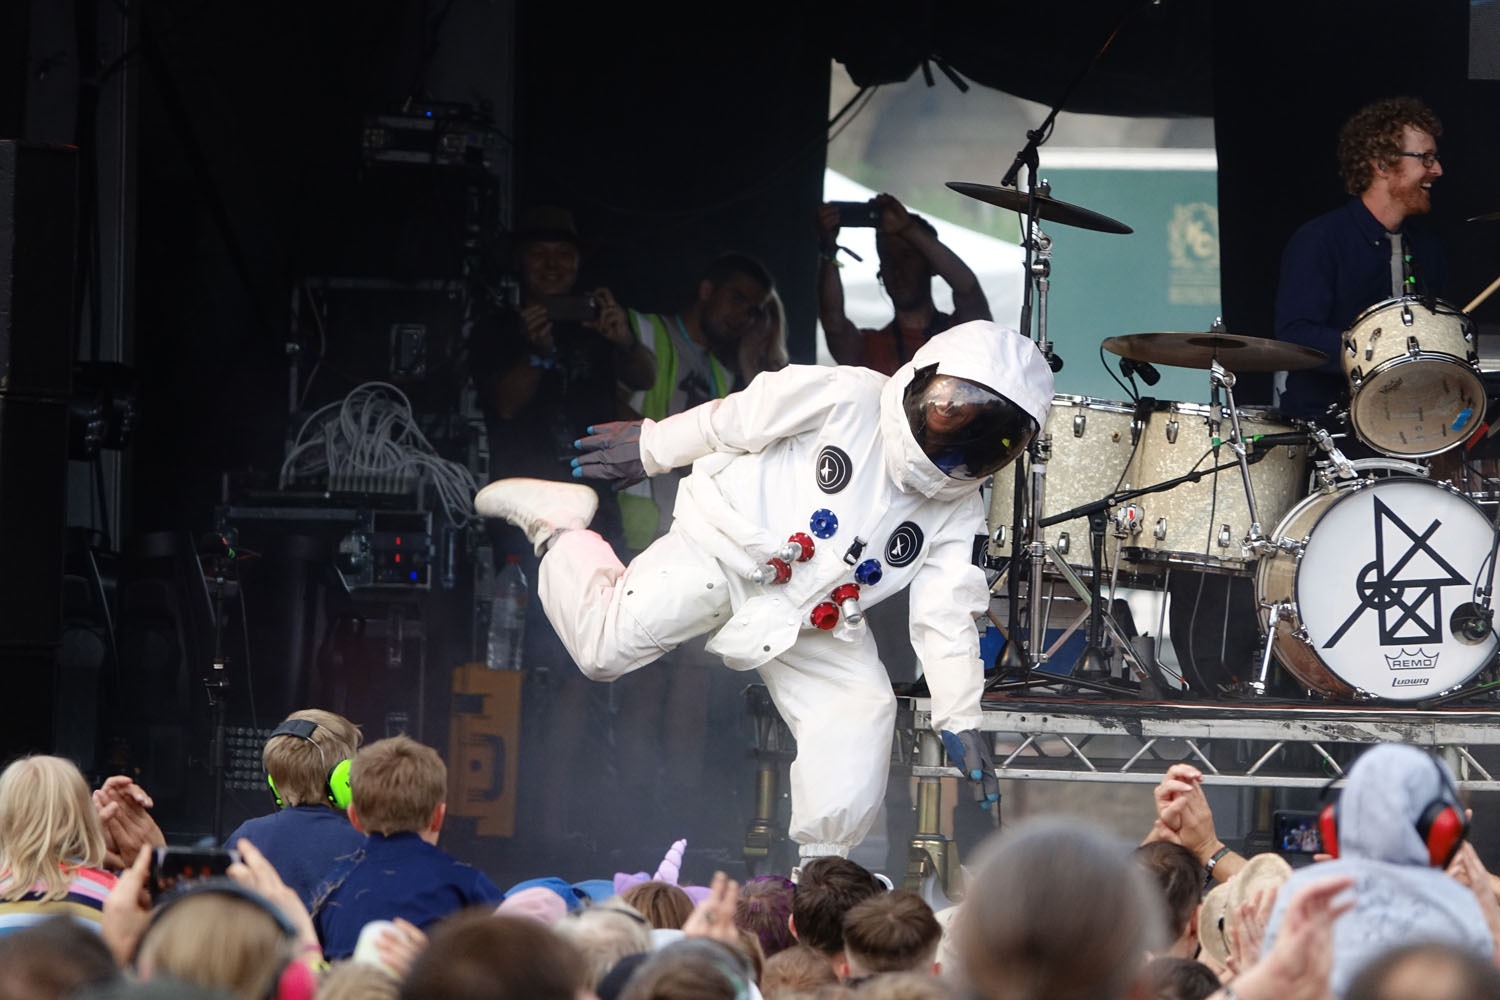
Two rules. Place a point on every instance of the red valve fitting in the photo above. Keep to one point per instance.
(824, 616)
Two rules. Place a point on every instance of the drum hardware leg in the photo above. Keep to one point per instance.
(1013, 657)
(1258, 686)
(1151, 685)
(1093, 664)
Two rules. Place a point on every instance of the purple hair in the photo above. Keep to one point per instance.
(764, 906)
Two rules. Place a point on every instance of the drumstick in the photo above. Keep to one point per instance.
(1482, 296)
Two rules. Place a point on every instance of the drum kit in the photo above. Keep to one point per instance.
(1371, 578)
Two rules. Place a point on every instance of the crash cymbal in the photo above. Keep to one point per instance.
(1200, 350)
(1486, 217)
(1047, 207)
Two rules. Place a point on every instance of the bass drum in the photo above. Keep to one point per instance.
(1368, 593)
(1092, 442)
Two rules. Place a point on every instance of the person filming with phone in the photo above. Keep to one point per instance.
(910, 256)
(546, 367)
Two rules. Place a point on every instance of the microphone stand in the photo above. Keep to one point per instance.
(1014, 657)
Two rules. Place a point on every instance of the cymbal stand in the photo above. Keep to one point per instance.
(1222, 378)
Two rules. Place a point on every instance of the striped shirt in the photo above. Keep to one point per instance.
(84, 901)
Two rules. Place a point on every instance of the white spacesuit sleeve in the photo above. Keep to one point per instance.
(947, 594)
(774, 405)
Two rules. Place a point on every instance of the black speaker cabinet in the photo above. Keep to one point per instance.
(38, 220)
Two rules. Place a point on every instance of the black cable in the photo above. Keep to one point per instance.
(1130, 390)
(249, 673)
(847, 105)
(431, 34)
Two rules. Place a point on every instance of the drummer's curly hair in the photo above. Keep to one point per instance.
(1373, 133)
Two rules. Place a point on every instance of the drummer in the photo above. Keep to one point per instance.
(1365, 251)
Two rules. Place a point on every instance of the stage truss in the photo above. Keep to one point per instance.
(1260, 745)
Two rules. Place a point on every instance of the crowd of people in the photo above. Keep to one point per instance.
(1053, 907)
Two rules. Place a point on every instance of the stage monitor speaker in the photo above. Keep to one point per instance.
(38, 215)
(483, 744)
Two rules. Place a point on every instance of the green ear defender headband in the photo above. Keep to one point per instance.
(338, 779)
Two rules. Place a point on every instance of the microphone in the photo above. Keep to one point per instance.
(1147, 371)
(1214, 414)
(1274, 440)
(1470, 623)
(1054, 361)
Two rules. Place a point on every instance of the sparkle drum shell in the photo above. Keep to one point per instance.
(1092, 443)
(1203, 524)
(1414, 382)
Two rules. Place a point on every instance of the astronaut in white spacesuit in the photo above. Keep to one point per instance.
(815, 493)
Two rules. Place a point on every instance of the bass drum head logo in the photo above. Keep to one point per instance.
(834, 469)
(903, 545)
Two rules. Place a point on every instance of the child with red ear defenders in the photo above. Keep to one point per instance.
(1443, 824)
(307, 760)
(1397, 821)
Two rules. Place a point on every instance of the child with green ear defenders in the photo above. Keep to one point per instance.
(307, 766)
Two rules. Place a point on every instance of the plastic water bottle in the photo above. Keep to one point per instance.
(505, 650)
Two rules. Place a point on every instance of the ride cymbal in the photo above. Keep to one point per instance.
(1200, 350)
(1047, 207)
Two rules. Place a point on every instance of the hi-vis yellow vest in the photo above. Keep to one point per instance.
(638, 507)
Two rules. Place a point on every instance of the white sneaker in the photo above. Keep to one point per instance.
(539, 507)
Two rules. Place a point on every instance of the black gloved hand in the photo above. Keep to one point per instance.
(612, 452)
(970, 753)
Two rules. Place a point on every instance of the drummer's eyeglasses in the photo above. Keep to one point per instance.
(1428, 159)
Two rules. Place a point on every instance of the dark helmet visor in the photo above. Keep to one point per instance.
(968, 430)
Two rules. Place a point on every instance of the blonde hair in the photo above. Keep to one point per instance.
(48, 828)
(220, 939)
(300, 767)
(605, 934)
(397, 785)
(349, 980)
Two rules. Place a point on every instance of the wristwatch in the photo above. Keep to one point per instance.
(1212, 863)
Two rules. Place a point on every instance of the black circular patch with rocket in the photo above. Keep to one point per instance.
(903, 545)
(834, 469)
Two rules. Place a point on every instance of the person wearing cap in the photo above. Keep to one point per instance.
(816, 492)
(548, 367)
